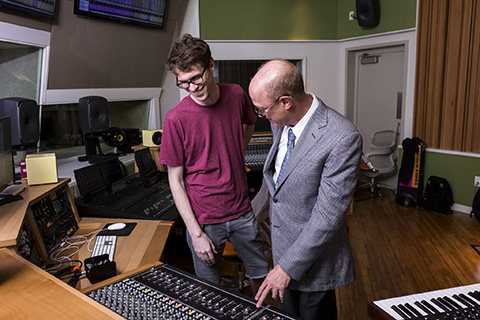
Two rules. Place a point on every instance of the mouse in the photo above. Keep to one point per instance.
(116, 226)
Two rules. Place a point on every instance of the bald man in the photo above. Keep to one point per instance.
(311, 172)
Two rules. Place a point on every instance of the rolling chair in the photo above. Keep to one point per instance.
(260, 207)
(381, 159)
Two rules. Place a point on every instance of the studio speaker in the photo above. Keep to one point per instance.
(152, 138)
(133, 139)
(368, 12)
(93, 114)
(24, 119)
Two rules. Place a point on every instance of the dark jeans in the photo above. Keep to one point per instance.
(317, 305)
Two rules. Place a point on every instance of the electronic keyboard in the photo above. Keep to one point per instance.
(454, 303)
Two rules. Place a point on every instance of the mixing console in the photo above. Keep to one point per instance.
(165, 292)
(256, 154)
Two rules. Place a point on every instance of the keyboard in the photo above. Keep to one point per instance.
(453, 303)
(104, 245)
(12, 190)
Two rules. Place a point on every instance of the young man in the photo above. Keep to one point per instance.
(203, 144)
(310, 192)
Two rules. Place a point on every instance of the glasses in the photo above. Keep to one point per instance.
(195, 80)
(261, 111)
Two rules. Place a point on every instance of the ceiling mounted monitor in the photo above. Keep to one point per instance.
(144, 12)
(39, 8)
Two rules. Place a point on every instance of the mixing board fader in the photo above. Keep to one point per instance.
(165, 292)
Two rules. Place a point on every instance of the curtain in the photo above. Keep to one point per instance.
(447, 95)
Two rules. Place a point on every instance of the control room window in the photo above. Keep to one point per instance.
(20, 70)
(60, 125)
(241, 72)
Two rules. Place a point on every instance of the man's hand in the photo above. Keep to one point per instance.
(276, 282)
(204, 249)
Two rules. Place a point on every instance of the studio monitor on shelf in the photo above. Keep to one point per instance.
(24, 119)
(152, 138)
(93, 114)
(368, 12)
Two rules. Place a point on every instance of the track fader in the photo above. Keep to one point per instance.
(165, 292)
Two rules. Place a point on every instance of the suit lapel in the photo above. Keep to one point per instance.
(310, 135)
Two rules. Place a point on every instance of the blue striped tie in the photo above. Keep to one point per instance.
(290, 145)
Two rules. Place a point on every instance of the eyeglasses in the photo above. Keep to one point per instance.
(198, 79)
(261, 111)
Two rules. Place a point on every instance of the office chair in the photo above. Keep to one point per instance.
(381, 159)
(260, 207)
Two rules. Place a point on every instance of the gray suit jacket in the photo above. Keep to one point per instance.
(308, 210)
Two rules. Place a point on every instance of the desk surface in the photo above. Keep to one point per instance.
(143, 246)
(27, 292)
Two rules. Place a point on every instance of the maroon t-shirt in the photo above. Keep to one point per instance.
(208, 142)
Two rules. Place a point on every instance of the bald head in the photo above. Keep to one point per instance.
(278, 90)
(276, 78)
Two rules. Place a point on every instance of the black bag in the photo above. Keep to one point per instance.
(476, 206)
(438, 195)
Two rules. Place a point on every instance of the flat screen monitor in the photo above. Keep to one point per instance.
(147, 167)
(145, 12)
(40, 8)
(6, 155)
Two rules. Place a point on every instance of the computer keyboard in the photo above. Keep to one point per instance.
(12, 190)
(104, 245)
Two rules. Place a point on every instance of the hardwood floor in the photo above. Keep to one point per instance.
(400, 251)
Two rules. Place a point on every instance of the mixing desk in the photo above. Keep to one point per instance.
(165, 292)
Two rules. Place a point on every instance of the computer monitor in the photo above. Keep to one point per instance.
(7, 169)
(147, 167)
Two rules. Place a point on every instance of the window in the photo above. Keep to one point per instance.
(60, 125)
(20, 70)
(241, 72)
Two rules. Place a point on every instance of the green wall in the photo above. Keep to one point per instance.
(296, 20)
(460, 172)
(394, 15)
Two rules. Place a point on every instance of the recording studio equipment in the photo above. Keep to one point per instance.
(24, 120)
(107, 192)
(54, 217)
(6, 154)
(368, 12)
(94, 123)
(26, 246)
(256, 154)
(152, 138)
(454, 303)
(93, 114)
(132, 138)
(147, 167)
(100, 267)
(115, 137)
(257, 150)
(165, 292)
(41, 168)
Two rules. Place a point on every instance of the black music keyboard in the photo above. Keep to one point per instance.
(454, 303)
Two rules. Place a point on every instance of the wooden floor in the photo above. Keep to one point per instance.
(400, 251)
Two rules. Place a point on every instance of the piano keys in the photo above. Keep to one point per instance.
(454, 303)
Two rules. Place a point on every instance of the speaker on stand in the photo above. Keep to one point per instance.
(25, 128)
(116, 138)
(94, 123)
(24, 119)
